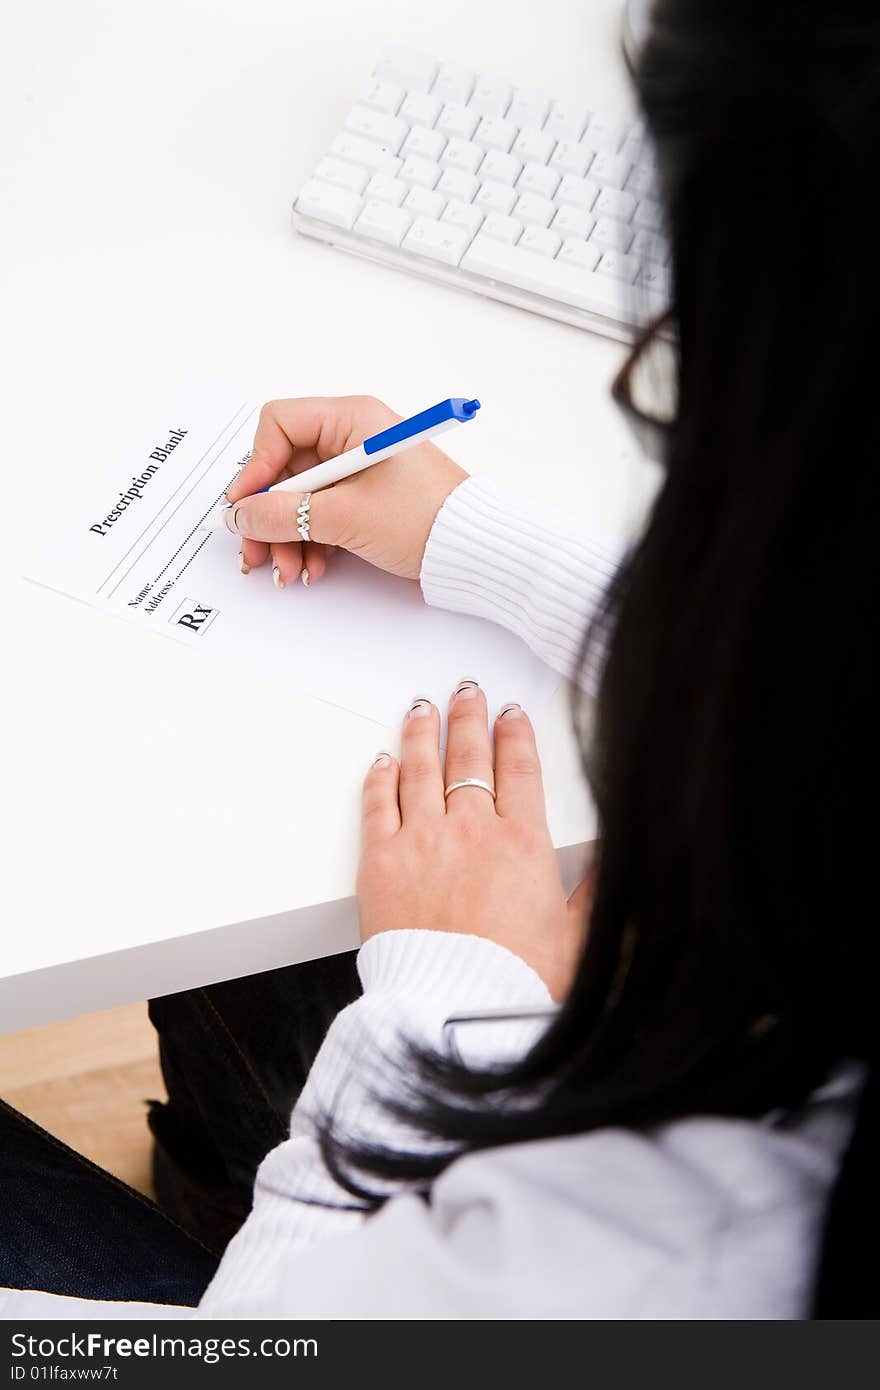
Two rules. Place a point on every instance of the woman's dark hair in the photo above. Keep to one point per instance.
(732, 962)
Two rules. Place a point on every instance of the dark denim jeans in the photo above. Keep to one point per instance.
(234, 1057)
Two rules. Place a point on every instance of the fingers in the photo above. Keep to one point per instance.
(284, 428)
(314, 562)
(287, 563)
(293, 560)
(380, 810)
(518, 781)
(253, 554)
(421, 774)
(296, 434)
(468, 752)
(291, 437)
(271, 516)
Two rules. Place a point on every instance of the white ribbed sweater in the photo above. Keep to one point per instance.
(700, 1219)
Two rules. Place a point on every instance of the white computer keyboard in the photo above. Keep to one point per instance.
(486, 186)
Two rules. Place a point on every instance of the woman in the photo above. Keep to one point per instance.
(690, 1135)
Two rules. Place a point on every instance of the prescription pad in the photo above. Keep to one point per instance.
(359, 638)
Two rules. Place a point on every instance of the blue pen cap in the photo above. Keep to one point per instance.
(455, 408)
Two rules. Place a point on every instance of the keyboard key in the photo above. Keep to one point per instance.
(462, 154)
(421, 202)
(366, 152)
(460, 121)
(462, 215)
(577, 252)
(338, 206)
(491, 95)
(656, 277)
(502, 228)
(382, 189)
(495, 197)
(553, 278)
(642, 181)
(648, 214)
(441, 241)
(537, 178)
(570, 157)
(373, 125)
(610, 170)
(618, 266)
(421, 109)
(572, 222)
(580, 193)
(382, 96)
(454, 184)
(453, 83)
(494, 133)
(506, 168)
(612, 203)
(540, 240)
(383, 223)
(533, 146)
(528, 110)
(534, 210)
(412, 70)
(430, 144)
(419, 173)
(342, 174)
(605, 134)
(566, 121)
(637, 145)
(650, 246)
(615, 235)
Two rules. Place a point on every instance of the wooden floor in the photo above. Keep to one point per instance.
(87, 1081)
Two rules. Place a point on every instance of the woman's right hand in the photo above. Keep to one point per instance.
(383, 514)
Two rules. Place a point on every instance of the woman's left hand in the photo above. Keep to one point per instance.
(468, 864)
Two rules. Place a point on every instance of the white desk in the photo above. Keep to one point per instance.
(155, 149)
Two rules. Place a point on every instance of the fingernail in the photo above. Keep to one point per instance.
(511, 711)
(465, 690)
(382, 760)
(230, 519)
(420, 706)
(245, 567)
(304, 576)
(276, 576)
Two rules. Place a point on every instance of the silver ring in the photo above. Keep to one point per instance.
(302, 517)
(469, 782)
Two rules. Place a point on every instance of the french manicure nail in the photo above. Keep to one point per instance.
(419, 707)
(382, 760)
(276, 577)
(245, 567)
(465, 690)
(304, 576)
(511, 711)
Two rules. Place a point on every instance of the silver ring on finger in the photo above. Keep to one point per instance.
(468, 782)
(302, 517)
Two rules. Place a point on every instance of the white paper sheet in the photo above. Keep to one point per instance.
(360, 639)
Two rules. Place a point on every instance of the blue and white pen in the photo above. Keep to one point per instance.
(426, 425)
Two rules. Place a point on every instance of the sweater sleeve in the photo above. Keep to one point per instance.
(534, 571)
(413, 981)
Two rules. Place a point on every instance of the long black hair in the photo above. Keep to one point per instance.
(731, 961)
